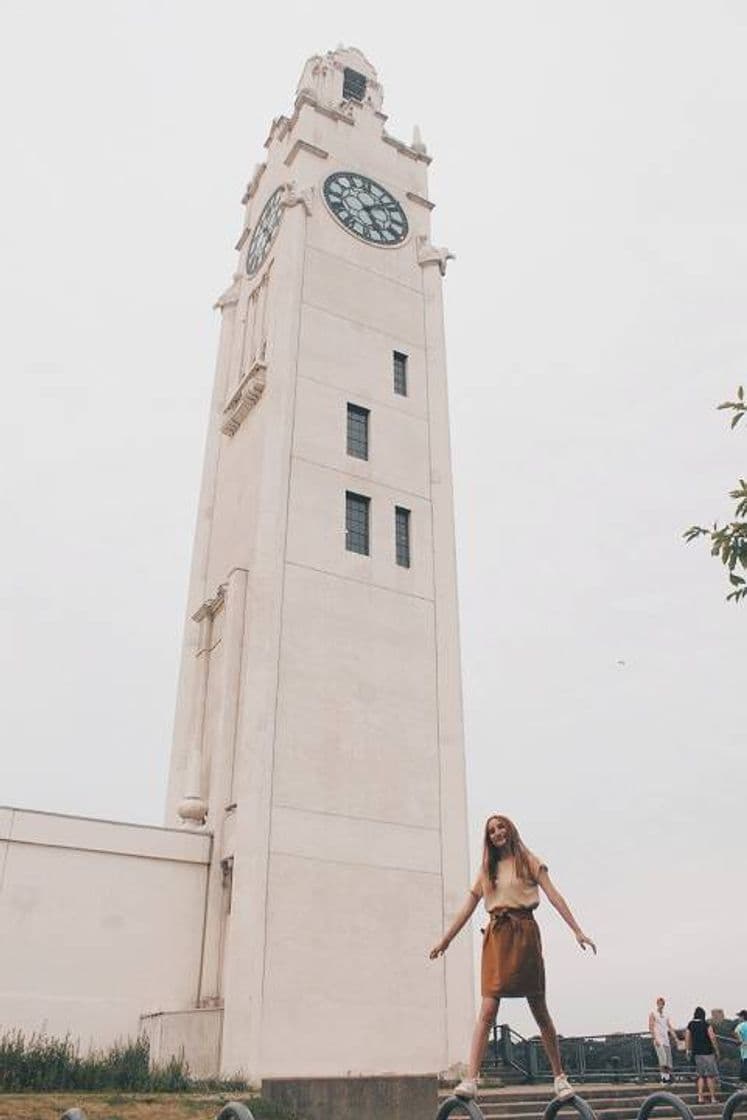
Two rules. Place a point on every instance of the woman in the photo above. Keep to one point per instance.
(512, 965)
(702, 1044)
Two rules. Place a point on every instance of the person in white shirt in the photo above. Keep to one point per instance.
(661, 1030)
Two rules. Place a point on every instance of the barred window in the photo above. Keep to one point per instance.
(356, 522)
(400, 373)
(402, 536)
(353, 85)
(357, 431)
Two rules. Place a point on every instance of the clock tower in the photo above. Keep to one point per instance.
(318, 732)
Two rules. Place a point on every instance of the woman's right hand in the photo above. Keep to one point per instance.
(437, 950)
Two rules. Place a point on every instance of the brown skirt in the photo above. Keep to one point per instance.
(512, 962)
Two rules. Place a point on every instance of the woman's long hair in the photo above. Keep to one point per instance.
(491, 857)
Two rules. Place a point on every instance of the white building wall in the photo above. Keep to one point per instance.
(101, 921)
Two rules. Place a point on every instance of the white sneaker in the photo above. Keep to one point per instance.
(563, 1088)
(467, 1089)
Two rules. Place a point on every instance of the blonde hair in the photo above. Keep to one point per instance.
(491, 857)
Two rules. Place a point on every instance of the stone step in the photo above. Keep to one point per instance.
(595, 1089)
(702, 1112)
(601, 1100)
(524, 1096)
(620, 1108)
(609, 1102)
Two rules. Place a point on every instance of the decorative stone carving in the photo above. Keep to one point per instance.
(433, 254)
(417, 143)
(253, 183)
(231, 294)
(322, 79)
(418, 198)
(193, 808)
(295, 197)
(305, 146)
(405, 149)
(247, 393)
(210, 607)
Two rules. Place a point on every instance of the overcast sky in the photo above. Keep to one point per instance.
(590, 173)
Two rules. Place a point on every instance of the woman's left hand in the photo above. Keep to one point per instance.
(583, 941)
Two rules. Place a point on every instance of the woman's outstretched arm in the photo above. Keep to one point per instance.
(460, 920)
(562, 907)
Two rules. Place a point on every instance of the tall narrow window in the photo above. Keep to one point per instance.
(400, 373)
(357, 431)
(356, 522)
(402, 536)
(353, 85)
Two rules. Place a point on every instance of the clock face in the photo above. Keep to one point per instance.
(365, 209)
(264, 232)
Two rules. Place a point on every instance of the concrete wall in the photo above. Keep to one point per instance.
(365, 1098)
(100, 922)
(195, 1034)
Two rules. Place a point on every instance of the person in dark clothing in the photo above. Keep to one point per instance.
(741, 1032)
(701, 1044)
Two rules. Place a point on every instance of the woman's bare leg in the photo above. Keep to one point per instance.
(538, 1007)
(711, 1083)
(700, 1083)
(485, 1020)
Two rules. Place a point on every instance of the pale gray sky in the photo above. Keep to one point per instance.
(590, 173)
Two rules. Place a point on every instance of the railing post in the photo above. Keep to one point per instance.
(506, 1044)
(532, 1060)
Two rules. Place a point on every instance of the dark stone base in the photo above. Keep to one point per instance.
(355, 1098)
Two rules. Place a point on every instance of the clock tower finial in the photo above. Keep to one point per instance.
(341, 75)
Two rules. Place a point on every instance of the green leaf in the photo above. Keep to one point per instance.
(736, 418)
(740, 393)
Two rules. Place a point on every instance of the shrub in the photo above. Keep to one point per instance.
(43, 1063)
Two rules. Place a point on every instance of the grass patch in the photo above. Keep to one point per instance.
(133, 1106)
(41, 1063)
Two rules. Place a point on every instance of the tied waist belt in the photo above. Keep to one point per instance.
(503, 914)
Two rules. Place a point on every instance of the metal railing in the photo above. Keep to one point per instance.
(611, 1057)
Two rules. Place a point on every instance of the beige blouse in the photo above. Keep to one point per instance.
(509, 890)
